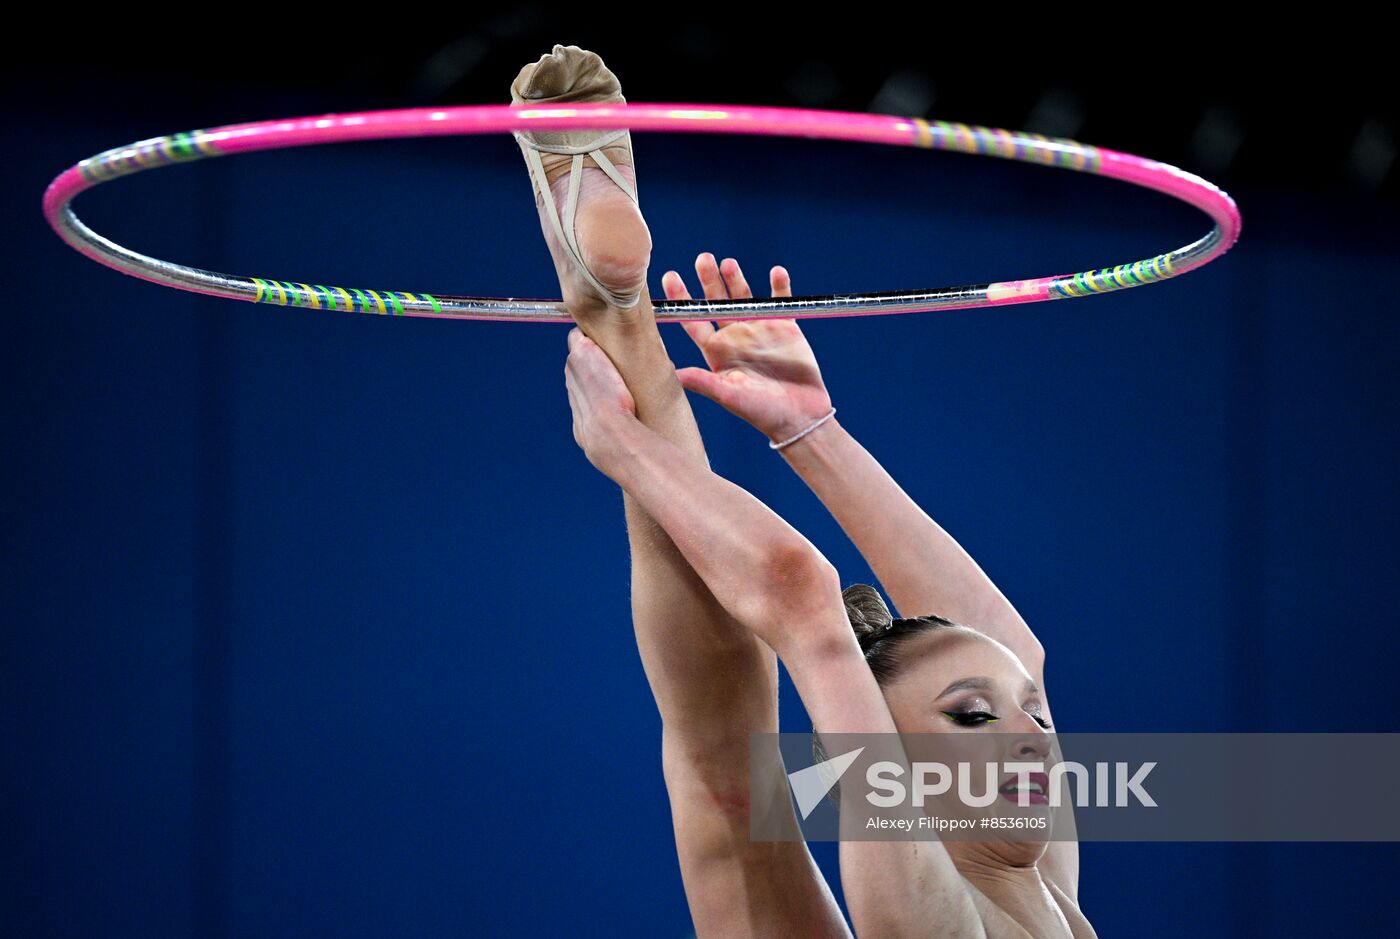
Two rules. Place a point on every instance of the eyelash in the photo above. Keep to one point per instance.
(982, 718)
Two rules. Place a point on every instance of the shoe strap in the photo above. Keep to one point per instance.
(591, 144)
(564, 229)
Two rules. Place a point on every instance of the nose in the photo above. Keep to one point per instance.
(1032, 743)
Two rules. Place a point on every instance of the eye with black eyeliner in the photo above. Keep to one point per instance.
(971, 718)
(982, 718)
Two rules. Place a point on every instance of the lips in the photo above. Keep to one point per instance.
(1035, 792)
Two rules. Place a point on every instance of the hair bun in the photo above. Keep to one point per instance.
(865, 608)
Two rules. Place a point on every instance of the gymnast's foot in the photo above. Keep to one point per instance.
(609, 235)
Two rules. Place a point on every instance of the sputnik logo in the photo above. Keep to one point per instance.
(811, 785)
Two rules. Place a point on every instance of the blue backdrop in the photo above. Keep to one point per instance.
(318, 623)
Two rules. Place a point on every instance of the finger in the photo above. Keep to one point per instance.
(734, 279)
(596, 372)
(592, 360)
(569, 379)
(584, 348)
(582, 364)
(575, 420)
(698, 330)
(674, 286)
(710, 281)
(702, 381)
(780, 282)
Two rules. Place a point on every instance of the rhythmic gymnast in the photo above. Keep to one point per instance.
(722, 586)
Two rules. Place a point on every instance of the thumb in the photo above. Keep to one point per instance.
(701, 381)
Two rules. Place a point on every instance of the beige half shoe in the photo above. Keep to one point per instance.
(570, 75)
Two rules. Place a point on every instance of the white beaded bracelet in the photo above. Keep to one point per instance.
(819, 422)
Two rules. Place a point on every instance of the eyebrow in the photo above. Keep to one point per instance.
(981, 684)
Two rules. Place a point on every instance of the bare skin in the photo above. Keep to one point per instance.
(720, 582)
(765, 372)
(1014, 884)
(713, 681)
(893, 889)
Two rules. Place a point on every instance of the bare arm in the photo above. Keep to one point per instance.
(922, 568)
(919, 564)
(774, 582)
(764, 371)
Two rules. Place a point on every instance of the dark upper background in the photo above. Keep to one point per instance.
(1302, 104)
(319, 624)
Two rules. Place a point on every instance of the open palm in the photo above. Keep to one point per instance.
(761, 370)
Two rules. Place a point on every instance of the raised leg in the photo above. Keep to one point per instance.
(713, 682)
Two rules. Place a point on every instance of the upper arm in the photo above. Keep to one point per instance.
(736, 886)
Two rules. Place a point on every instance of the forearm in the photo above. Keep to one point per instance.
(748, 556)
(922, 568)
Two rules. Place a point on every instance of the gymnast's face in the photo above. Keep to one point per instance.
(968, 698)
(960, 681)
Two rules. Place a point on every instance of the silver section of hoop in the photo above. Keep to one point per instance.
(394, 303)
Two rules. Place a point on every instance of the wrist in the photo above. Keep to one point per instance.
(626, 439)
(800, 431)
(820, 434)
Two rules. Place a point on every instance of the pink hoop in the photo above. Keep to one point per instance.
(695, 118)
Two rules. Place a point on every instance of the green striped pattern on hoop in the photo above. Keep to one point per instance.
(145, 154)
(1010, 145)
(1114, 278)
(346, 299)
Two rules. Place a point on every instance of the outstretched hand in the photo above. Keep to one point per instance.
(604, 410)
(761, 370)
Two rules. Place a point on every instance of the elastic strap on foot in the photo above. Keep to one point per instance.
(565, 229)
